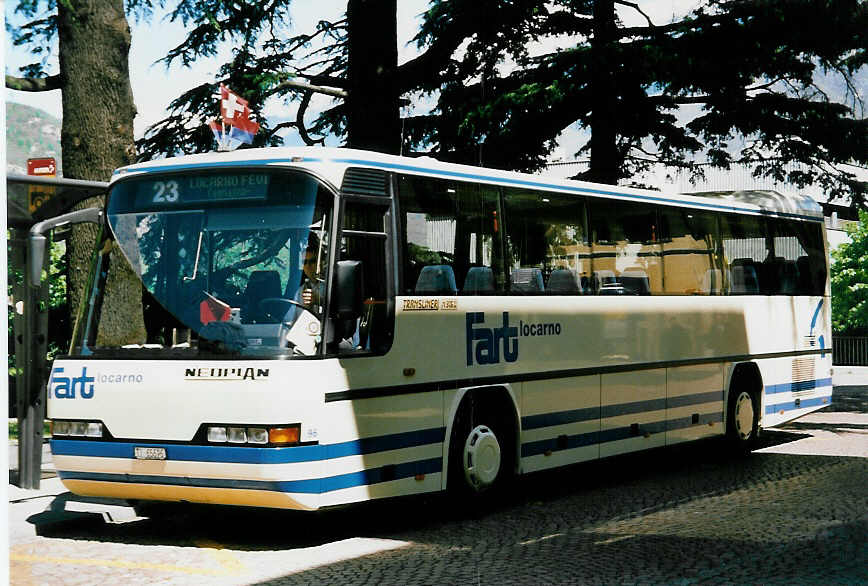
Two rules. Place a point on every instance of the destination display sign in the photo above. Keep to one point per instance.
(169, 191)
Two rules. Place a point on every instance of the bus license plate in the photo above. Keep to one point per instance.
(150, 453)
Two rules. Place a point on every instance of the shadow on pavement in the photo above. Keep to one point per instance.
(600, 557)
(849, 399)
(686, 470)
(835, 427)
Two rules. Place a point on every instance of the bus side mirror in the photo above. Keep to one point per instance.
(348, 293)
(36, 240)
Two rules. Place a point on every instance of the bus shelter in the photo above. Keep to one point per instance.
(30, 200)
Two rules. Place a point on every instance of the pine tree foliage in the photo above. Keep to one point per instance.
(850, 281)
(750, 67)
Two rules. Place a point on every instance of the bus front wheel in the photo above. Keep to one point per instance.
(479, 453)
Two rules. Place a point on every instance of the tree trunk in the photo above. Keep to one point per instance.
(96, 138)
(604, 109)
(373, 114)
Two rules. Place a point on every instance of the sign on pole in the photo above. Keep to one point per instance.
(37, 195)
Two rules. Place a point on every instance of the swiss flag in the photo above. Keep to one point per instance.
(236, 112)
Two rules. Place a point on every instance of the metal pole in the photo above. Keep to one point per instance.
(17, 257)
(31, 341)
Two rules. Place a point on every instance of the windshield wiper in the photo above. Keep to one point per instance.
(196, 264)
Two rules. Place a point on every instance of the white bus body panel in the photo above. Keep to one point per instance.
(591, 377)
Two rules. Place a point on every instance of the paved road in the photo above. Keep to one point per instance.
(794, 511)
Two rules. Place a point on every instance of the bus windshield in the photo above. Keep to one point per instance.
(238, 258)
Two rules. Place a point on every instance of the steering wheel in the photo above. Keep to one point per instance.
(280, 306)
(275, 308)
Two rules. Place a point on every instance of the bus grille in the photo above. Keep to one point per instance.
(365, 182)
(803, 374)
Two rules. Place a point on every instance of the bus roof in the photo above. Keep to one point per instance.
(332, 163)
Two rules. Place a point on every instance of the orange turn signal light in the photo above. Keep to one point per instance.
(284, 435)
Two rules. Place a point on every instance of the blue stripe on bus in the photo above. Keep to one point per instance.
(551, 444)
(252, 455)
(370, 445)
(616, 434)
(594, 413)
(560, 418)
(796, 386)
(696, 399)
(685, 422)
(631, 408)
(803, 403)
(308, 486)
(478, 177)
(816, 314)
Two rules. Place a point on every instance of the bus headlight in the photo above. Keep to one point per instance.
(217, 434)
(257, 435)
(90, 429)
(282, 435)
(237, 435)
(77, 428)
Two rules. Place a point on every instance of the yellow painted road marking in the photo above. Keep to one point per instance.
(614, 540)
(41, 559)
(227, 560)
(539, 539)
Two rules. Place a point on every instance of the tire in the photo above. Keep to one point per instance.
(742, 421)
(481, 452)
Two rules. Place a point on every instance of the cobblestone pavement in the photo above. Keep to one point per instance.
(793, 512)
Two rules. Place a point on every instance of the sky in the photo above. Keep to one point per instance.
(154, 86)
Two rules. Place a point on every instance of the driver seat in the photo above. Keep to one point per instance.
(261, 285)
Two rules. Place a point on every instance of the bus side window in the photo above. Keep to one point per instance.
(451, 238)
(626, 248)
(547, 243)
(799, 266)
(373, 331)
(691, 255)
(745, 250)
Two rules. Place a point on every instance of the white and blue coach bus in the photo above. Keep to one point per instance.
(328, 326)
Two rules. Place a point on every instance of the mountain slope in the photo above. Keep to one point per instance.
(30, 132)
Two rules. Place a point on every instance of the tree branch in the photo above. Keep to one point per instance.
(680, 26)
(635, 7)
(678, 100)
(326, 80)
(307, 87)
(764, 86)
(299, 122)
(33, 84)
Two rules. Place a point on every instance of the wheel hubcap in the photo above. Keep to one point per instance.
(481, 457)
(744, 416)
